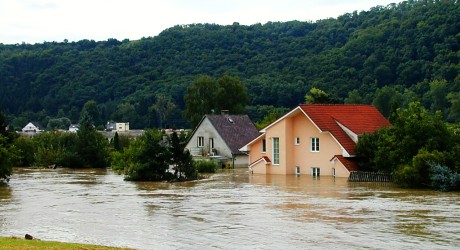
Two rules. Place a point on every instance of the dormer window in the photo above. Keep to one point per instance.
(230, 120)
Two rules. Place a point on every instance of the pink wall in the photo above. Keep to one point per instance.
(292, 155)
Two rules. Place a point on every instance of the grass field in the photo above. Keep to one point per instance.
(17, 243)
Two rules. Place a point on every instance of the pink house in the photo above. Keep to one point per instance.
(313, 139)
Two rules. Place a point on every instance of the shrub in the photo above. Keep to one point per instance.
(206, 166)
(443, 178)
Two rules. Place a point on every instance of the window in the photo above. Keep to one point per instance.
(315, 172)
(314, 144)
(200, 142)
(211, 143)
(297, 170)
(333, 172)
(297, 141)
(276, 150)
(264, 146)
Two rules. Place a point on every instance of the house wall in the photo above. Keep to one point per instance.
(122, 126)
(292, 155)
(207, 130)
(277, 130)
(260, 168)
(304, 157)
(340, 170)
(241, 161)
(256, 151)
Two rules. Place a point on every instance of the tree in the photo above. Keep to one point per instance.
(405, 150)
(7, 152)
(92, 111)
(207, 95)
(231, 95)
(148, 158)
(200, 99)
(181, 160)
(91, 145)
(318, 96)
(6, 160)
(116, 142)
(165, 109)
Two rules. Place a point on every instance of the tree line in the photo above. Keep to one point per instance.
(387, 56)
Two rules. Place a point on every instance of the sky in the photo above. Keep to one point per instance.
(37, 21)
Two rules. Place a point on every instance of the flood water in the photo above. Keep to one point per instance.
(230, 210)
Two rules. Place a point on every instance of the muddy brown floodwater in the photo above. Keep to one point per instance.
(230, 210)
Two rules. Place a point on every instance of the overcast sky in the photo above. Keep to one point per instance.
(36, 21)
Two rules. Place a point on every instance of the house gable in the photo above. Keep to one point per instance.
(228, 132)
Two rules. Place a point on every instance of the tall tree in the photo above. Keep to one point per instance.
(200, 99)
(92, 111)
(91, 146)
(231, 95)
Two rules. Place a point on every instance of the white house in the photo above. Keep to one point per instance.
(32, 127)
(221, 136)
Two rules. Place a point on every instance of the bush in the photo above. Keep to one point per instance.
(407, 176)
(206, 166)
(443, 178)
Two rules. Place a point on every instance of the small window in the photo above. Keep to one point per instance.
(211, 143)
(297, 170)
(314, 144)
(200, 141)
(297, 141)
(315, 172)
(333, 172)
(264, 146)
(276, 150)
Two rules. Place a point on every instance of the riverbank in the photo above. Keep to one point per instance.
(17, 243)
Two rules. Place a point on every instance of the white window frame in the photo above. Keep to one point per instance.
(315, 172)
(297, 170)
(333, 172)
(264, 146)
(276, 150)
(297, 141)
(314, 147)
(200, 142)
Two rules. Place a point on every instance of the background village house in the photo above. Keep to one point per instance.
(32, 127)
(221, 136)
(314, 140)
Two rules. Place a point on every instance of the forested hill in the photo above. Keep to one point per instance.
(388, 56)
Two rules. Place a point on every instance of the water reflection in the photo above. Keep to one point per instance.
(231, 209)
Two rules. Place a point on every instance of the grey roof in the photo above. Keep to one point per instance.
(235, 130)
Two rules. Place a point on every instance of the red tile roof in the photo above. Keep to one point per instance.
(349, 163)
(357, 118)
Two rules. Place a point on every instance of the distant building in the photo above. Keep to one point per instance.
(32, 127)
(117, 126)
(73, 128)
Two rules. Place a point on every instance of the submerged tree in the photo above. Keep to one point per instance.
(149, 156)
(181, 159)
(91, 145)
(416, 140)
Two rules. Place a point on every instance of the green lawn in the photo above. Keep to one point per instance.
(17, 243)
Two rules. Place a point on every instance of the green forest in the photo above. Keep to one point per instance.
(387, 56)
